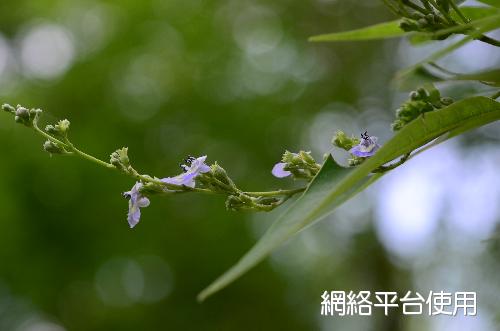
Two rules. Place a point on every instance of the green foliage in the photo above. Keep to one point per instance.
(431, 74)
(377, 31)
(334, 184)
(493, 3)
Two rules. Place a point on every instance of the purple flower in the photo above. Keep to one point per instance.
(194, 167)
(279, 170)
(366, 147)
(135, 203)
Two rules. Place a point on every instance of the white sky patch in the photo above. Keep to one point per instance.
(461, 190)
(473, 56)
(410, 201)
(473, 199)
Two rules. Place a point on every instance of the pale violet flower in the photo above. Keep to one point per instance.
(135, 203)
(279, 170)
(193, 168)
(366, 147)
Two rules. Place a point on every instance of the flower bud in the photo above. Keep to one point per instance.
(50, 129)
(414, 95)
(52, 148)
(300, 165)
(422, 93)
(407, 25)
(63, 127)
(416, 16)
(446, 101)
(220, 174)
(22, 115)
(422, 22)
(307, 158)
(35, 112)
(119, 159)
(341, 140)
(60, 129)
(8, 108)
(239, 202)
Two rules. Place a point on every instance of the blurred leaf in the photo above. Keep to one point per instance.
(480, 17)
(422, 75)
(475, 13)
(490, 77)
(334, 185)
(377, 31)
(494, 3)
(491, 23)
(408, 80)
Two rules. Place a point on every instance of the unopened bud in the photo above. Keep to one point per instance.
(8, 108)
(22, 115)
(119, 159)
(446, 101)
(52, 148)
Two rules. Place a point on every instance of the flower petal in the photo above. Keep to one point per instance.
(357, 151)
(134, 215)
(279, 170)
(143, 202)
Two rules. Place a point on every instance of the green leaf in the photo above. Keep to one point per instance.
(490, 77)
(483, 19)
(334, 184)
(494, 3)
(422, 75)
(377, 31)
(487, 24)
(475, 13)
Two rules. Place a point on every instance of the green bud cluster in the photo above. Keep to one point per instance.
(302, 165)
(120, 160)
(242, 201)
(419, 22)
(217, 180)
(341, 140)
(60, 129)
(23, 115)
(355, 160)
(8, 108)
(420, 101)
(53, 148)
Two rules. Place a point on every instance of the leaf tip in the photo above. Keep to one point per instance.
(201, 297)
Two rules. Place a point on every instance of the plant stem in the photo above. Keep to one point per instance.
(276, 193)
(71, 149)
(394, 165)
(488, 40)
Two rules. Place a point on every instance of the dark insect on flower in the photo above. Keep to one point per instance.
(188, 162)
(366, 147)
(189, 159)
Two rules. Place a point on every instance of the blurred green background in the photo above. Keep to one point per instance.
(238, 81)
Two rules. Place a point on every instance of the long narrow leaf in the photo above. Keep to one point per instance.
(334, 185)
(377, 31)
